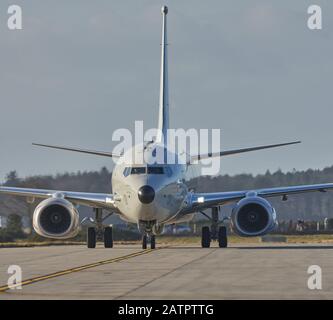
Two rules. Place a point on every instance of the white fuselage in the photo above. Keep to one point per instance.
(146, 192)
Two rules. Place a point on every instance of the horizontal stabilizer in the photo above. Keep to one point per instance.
(236, 151)
(94, 152)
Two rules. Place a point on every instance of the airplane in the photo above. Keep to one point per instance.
(156, 195)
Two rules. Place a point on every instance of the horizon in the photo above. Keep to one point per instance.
(254, 175)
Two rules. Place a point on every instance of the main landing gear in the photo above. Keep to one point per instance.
(99, 232)
(215, 232)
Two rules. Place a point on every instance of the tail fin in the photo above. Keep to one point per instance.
(163, 118)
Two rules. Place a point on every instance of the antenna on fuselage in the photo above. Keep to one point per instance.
(163, 117)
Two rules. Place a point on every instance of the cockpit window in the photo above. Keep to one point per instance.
(138, 170)
(149, 170)
(127, 171)
(155, 170)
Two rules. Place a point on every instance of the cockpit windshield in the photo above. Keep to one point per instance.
(138, 170)
(155, 170)
(148, 170)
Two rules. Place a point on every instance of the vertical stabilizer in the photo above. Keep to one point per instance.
(163, 117)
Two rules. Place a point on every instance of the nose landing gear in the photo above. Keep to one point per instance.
(148, 229)
(216, 232)
(146, 238)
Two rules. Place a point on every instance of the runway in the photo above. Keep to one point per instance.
(265, 271)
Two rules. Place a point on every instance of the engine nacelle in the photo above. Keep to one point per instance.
(56, 218)
(253, 216)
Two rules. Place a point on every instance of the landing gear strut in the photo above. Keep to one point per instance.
(100, 232)
(216, 232)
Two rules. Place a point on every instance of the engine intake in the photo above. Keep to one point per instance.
(56, 218)
(253, 216)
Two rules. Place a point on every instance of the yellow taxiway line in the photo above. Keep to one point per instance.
(75, 269)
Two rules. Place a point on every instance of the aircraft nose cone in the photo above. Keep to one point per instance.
(146, 194)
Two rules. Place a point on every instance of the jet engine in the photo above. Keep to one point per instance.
(56, 218)
(253, 216)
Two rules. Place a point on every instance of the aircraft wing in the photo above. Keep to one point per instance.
(198, 157)
(96, 200)
(201, 201)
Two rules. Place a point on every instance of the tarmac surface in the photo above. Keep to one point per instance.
(264, 271)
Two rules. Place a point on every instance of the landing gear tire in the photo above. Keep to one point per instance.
(152, 242)
(222, 237)
(91, 238)
(108, 237)
(144, 242)
(205, 237)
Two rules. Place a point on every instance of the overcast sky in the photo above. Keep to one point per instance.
(81, 69)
